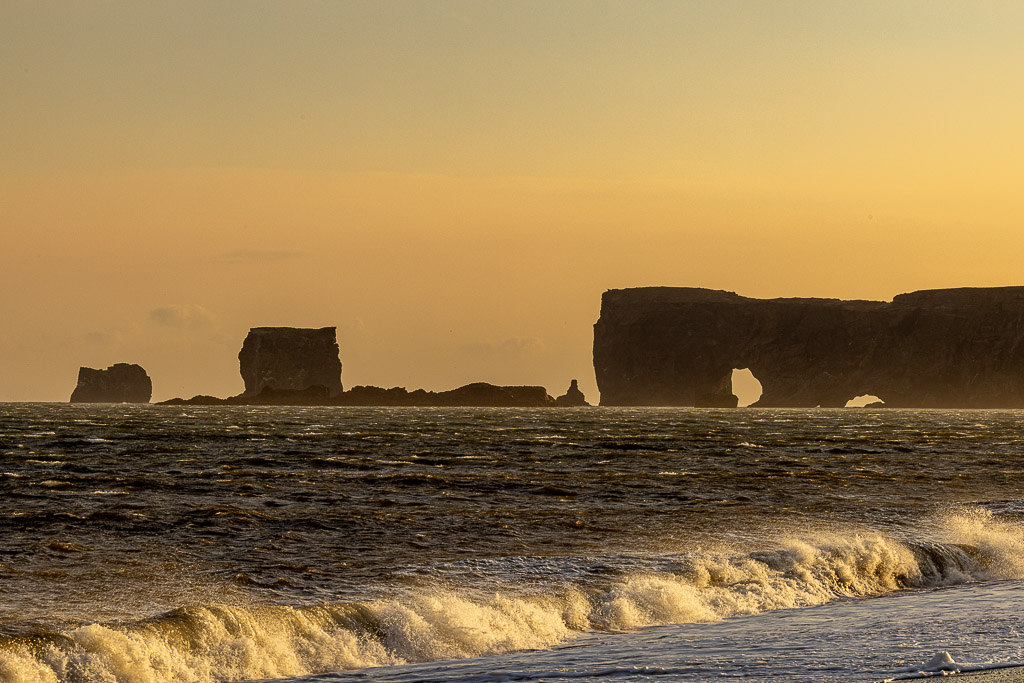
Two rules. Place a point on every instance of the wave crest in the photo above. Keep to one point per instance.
(219, 642)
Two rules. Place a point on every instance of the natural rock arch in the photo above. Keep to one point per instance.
(936, 348)
(746, 386)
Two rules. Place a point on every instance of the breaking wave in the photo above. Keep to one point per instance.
(223, 643)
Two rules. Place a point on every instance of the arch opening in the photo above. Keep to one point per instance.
(745, 386)
(863, 400)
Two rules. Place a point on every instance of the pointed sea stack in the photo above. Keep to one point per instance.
(572, 398)
(120, 383)
(290, 359)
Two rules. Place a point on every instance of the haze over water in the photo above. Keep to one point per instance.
(228, 544)
(454, 183)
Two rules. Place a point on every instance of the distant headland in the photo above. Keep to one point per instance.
(942, 348)
(678, 346)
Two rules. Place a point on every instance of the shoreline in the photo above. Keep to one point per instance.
(1005, 674)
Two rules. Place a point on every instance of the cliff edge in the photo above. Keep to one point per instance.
(945, 348)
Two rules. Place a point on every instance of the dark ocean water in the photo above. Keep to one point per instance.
(158, 543)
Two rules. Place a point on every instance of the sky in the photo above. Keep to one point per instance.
(453, 184)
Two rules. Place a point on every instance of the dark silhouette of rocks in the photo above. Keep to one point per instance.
(479, 394)
(572, 398)
(290, 359)
(316, 395)
(301, 367)
(120, 383)
(198, 400)
(489, 395)
(946, 348)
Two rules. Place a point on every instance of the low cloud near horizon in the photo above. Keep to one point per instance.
(255, 256)
(513, 346)
(184, 317)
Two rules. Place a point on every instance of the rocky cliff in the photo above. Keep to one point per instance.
(290, 359)
(120, 383)
(949, 348)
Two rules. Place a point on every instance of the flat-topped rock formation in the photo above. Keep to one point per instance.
(945, 348)
(290, 359)
(120, 383)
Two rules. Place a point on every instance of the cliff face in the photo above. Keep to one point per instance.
(290, 359)
(951, 348)
(120, 383)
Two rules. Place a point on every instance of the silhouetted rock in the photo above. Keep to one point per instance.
(376, 396)
(291, 366)
(710, 400)
(199, 400)
(316, 395)
(489, 395)
(290, 359)
(573, 397)
(479, 394)
(951, 348)
(120, 383)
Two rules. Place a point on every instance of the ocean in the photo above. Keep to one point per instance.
(156, 543)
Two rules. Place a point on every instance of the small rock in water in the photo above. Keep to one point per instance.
(942, 661)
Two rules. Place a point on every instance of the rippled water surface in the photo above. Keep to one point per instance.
(233, 543)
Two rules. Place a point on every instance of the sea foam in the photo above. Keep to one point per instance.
(208, 643)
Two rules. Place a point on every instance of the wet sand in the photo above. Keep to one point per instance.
(1008, 675)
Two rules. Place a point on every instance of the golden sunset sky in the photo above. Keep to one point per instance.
(453, 184)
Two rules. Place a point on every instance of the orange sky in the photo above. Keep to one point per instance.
(453, 184)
